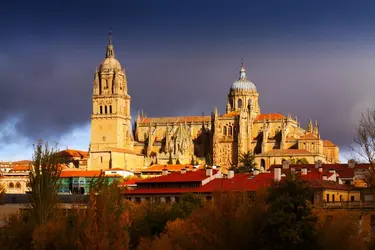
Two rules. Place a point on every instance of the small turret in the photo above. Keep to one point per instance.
(309, 126)
(228, 108)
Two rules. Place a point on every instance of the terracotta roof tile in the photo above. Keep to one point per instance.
(73, 153)
(170, 167)
(21, 168)
(275, 116)
(176, 119)
(327, 143)
(231, 114)
(189, 176)
(287, 152)
(309, 136)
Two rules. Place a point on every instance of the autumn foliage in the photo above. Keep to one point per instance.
(281, 217)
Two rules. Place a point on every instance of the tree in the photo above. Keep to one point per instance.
(290, 223)
(2, 194)
(170, 161)
(299, 161)
(364, 145)
(44, 182)
(246, 163)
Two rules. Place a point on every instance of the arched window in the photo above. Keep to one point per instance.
(262, 164)
(105, 109)
(225, 130)
(11, 185)
(18, 185)
(101, 109)
(101, 159)
(230, 130)
(110, 109)
(249, 102)
(239, 103)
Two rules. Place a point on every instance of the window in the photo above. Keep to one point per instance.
(327, 198)
(352, 198)
(340, 197)
(105, 109)
(101, 159)
(225, 130)
(110, 109)
(101, 109)
(18, 185)
(11, 185)
(333, 197)
(239, 103)
(230, 130)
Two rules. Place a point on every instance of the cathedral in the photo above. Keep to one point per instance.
(218, 138)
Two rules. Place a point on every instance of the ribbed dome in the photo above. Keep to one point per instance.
(110, 64)
(243, 83)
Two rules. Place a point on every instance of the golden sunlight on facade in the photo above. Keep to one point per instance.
(193, 139)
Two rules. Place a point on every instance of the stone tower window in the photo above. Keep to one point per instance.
(11, 185)
(110, 109)
(239, 103)
(101, 159)
(105, 109)
(101, 109)
(230, 130)
(18, 185)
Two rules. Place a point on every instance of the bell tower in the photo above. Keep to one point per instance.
(110, 119)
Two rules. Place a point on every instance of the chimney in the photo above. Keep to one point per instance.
(187, 168)
(318, 164)
(164, 171)
(183, 171)
(277, 174)
(255, 172)
(351, 163)
(324, 177)
(286, 164)
(194, 168)
(320, 169)
(304, 171)
(230, 174)
(332, 171)
(208, 171)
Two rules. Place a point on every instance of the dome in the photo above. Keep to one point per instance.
(243, 83)
(110, 64)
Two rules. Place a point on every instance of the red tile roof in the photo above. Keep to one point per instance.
(189, 176)
(231, 114)
(73, 153)
(324, 184)
(170, 167)
(275, 116)
(21, 168)
(176, 119)
(309, 136)
(287, 152)
(327, 143)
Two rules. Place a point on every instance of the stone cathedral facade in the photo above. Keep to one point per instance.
(272, 138)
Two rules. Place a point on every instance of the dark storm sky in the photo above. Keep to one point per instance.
(309, 58)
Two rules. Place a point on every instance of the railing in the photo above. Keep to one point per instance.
(348, 205)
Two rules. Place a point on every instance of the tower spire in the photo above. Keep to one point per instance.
(110, 50)
(110, 36)
(242, 71)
